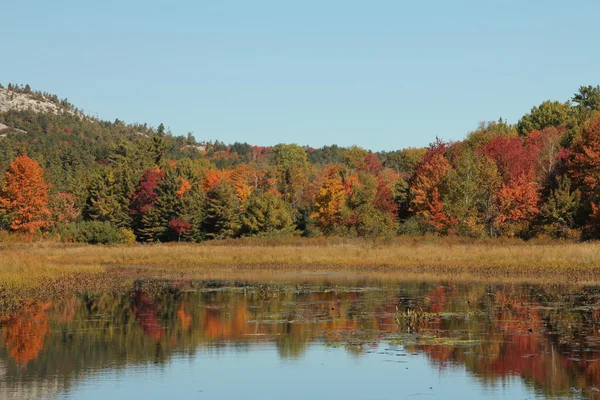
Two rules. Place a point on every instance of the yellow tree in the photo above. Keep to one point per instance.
(24, 196)
(329, 202)
(239, 176)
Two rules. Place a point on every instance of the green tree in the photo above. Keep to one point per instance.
(354, 157)
(222, 212)
(588, 98)
(469, 193)
(108, 199)
(405, 160)
(487, 131)
(587, 102)
(191, 209)
(291, 163)
(152, 224)
(549, 113)
(557, 216)
(266, 214)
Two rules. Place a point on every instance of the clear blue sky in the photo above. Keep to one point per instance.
(379, 74)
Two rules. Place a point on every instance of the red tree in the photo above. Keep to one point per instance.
(583, 164)
(145, 194)
(180, 227)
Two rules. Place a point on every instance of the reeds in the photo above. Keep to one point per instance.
(448, 257)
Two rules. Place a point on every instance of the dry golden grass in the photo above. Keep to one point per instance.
(448, 258)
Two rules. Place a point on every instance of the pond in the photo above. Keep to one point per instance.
(328, 337)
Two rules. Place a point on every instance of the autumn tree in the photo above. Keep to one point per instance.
(429, 176)
(546, 148)
(518, 203)
(583, 167)
(330, 202)
(354, 157)
(63, 208)
(486, 131)
(24, 196)
(518, 198)
(180, 227)
(371, 207)
(240, 178)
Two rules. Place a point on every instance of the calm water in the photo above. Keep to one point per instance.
(329, 339)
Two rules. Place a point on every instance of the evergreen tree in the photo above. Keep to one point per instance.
(266, 214)
(108, 200)
(154, 217)
(222, 212)
(191, 209)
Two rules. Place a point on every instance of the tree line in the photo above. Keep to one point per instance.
(87, 180)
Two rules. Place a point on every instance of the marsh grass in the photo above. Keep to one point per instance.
(39, 265)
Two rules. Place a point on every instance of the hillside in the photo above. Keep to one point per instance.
(540, 176)
(13, 100)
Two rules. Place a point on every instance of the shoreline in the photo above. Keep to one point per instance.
(31, 266)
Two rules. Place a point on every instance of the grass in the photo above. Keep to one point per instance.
(24, 264)
(50, 269)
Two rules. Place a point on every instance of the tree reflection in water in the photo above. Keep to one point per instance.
(547, 336)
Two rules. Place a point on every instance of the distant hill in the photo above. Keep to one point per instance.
(537, 177)
(16, 100)
(34, 117)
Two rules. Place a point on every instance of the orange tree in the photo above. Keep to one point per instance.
(24, 196)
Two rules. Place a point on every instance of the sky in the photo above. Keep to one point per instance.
(383, 75)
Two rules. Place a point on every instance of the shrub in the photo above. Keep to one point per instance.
(415, 226)
(127, 236)
(94, 232)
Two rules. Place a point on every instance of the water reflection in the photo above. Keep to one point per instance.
(546, 337)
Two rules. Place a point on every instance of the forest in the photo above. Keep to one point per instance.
(70, 177)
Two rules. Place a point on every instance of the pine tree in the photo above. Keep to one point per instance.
(266, 214)
(191, 209)
(222, 212)
(155, 216)
(108, 199)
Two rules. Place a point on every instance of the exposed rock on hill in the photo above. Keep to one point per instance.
(11, 100)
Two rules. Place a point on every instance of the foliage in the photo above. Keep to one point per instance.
(222, 212)
(558, 213)
(426, 184)
(94, 232)
(266, 214)
(63, 209)
(108, 198)
(540, 176)
(24, 196)
(549, 113)
(330, 202)
(470, 195)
